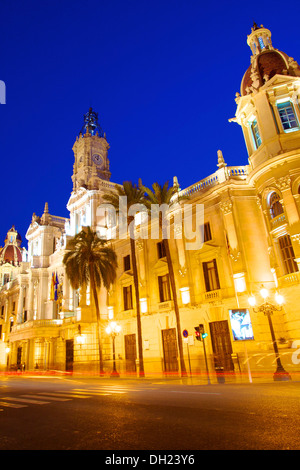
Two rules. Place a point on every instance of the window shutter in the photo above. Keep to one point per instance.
(217, 274)
(206, 279)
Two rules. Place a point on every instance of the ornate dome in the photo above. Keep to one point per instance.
(12, 251)
(266, 61)
(10, 254)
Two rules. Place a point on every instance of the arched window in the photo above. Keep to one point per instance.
(275, 205)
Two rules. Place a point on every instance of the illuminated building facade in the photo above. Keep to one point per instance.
(251, 238)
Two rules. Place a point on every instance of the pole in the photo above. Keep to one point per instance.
(207, 373)
(114, 372)
(188, 350)
(280, 373)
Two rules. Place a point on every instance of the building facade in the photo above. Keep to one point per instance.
(251, 239)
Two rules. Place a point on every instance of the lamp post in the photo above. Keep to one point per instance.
(113, 329)
(268, 309)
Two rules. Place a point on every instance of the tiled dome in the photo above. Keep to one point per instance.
(10, 254)
(267, 64)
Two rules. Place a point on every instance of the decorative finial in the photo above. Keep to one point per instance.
(221, 161)
(175, 183)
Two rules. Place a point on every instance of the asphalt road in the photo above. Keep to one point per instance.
(113, 414)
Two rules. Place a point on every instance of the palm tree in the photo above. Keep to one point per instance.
(134, 195)
(166, 195)
(90, 260)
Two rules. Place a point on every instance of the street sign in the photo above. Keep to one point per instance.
(185, 333)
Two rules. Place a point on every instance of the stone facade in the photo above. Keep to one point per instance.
(251, 238)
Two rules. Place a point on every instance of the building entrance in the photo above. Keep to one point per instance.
(69, 355)
(130, 353)
(221, 345)
(170, 350)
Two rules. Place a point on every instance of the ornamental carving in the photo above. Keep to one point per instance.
(283, 183)
(296, 238)
(226, 207)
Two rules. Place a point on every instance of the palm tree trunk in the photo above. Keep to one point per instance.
(176, 308)
(95, 294)
(137, 300)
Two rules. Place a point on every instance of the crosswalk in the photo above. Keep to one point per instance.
(45, 398)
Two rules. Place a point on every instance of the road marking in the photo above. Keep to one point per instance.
(198, 393)
(26, 400)
(79, 391)
(124, 389)
(12, 405)
(47, 397)
(64, 394)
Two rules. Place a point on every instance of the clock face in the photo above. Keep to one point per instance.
(97, 159)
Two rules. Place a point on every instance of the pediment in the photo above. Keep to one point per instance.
(126, 277)
(279, 80)
(161, 266)
(207, 252)
(32, 228)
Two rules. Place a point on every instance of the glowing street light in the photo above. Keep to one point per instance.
(113, 329)
(268, 309)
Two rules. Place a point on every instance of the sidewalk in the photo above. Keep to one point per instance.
(195, 379)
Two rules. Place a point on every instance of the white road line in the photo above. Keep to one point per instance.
(47, 397)
(26, 400)
(88, 392)
(12, 405)
(197, 393)
(108, 387)
(63, 394)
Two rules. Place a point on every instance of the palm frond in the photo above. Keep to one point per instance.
(87, 251)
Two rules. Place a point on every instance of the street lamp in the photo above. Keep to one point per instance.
(113, 329)
(268, 309)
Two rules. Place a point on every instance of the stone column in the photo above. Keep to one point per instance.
(232, 239)
(20, 305)
(291, 212)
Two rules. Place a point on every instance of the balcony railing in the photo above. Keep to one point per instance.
(231, 172)
(278, 221)
(212, 295)
(289, 279)
(36, 324)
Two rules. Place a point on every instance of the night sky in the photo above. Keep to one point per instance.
(161, 74)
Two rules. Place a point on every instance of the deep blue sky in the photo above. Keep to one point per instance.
(161, 74)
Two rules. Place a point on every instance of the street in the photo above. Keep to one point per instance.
(69, 413)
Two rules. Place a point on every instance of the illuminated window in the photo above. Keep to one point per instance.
(164, 288)
(275, 205)
(211, 276)
(255, 133)
(288, 117)
(288, 255)
(261, 42)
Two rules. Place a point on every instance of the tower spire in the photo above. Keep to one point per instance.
(91, 124)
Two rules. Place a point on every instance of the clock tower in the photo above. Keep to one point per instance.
(90, 150)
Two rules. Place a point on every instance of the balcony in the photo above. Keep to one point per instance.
(36, 324)
(289, 279)
(213, 295)
(165, 306)
(278, 221)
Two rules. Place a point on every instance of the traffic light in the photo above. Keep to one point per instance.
(197, 333)
(202, 332)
